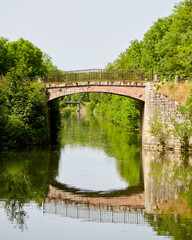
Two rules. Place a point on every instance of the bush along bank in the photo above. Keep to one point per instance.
(23, 116)
(23, 100)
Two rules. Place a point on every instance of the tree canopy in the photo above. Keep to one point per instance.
(23, 58)
(166, 46)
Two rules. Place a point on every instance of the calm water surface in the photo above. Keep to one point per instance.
(96, 184)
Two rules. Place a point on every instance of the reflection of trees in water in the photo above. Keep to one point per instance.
(176, 170)
(15, 213)
(24, 177)
(171, 225)
(114, 141)
(168, 193)
(15, 191)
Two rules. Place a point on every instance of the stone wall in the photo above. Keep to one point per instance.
(167, 108)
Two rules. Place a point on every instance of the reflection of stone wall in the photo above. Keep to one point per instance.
(159, 183)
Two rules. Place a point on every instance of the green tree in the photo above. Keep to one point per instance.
(25, 59)
(166, 47)
(151, 55)
(23, 100)
(119, 110)
(3, 116)
(27, 115)
(4, 64)
(130, 59)
(48, 65)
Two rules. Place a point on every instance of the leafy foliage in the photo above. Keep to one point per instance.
(24, 116)
(182, 130)
(22, 99)
(159, 128)
(25, 58)
(119, 110)
(166, 46)
(4, 64)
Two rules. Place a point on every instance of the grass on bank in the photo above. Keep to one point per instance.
(178, 92)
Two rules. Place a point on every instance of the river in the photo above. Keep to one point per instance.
(96, 183)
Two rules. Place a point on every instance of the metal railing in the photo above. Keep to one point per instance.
(99, 75)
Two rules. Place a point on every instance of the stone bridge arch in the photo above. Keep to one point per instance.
(132, 90)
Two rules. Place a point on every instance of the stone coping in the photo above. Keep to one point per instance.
(96, 83)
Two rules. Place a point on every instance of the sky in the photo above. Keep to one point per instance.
(81, 34)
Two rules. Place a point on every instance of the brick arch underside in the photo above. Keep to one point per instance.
(137, 93)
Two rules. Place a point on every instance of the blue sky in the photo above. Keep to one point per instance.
(81, 34)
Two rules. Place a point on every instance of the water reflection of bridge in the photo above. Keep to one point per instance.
(119, 209)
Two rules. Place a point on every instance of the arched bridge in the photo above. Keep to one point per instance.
(130, 83)
(135, 84)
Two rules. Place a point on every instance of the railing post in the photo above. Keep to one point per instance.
(78, 74)
(142, 74)
(156, 77)
(177, 79)
(118, 78)
(137, 75)
(56, 77)
(125, 75)
(89, 74)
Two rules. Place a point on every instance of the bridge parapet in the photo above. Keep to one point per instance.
(94, 83)
(95, 213)
(97, 75)
(119, 209)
